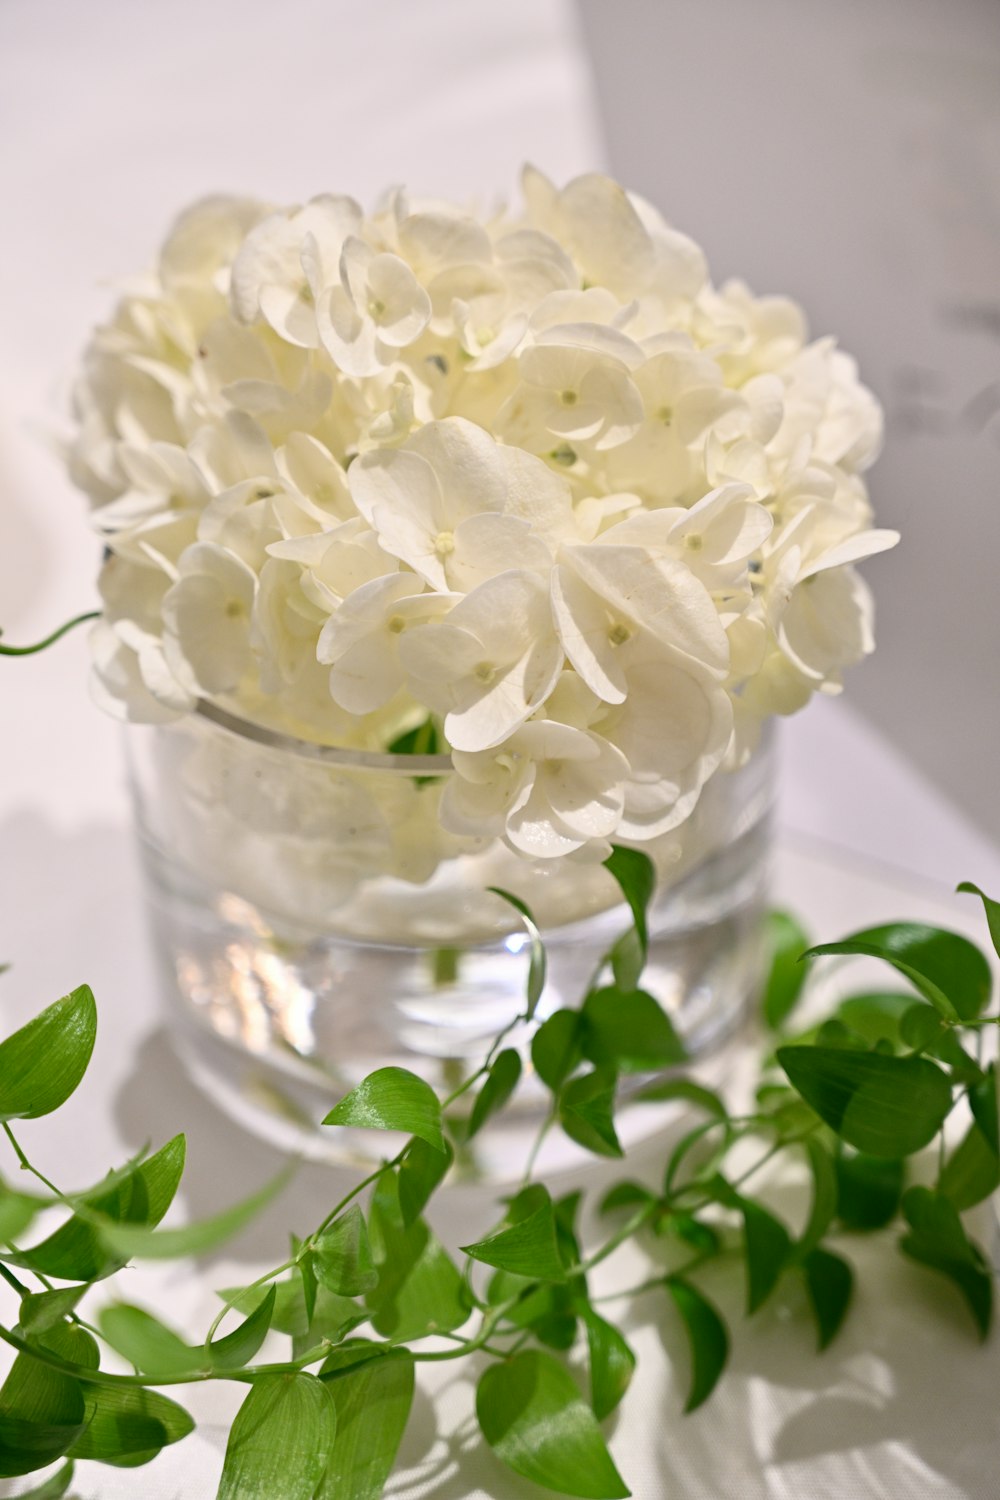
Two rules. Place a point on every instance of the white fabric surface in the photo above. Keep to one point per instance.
(117, 114)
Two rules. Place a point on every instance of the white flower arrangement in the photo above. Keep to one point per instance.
(535, 477)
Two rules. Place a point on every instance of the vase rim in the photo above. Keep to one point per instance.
(332, 755)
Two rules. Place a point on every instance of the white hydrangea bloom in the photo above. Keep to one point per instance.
(528, 476)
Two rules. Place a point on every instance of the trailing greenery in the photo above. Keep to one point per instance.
(371, 1292)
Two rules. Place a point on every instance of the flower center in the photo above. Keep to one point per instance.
(485, 336)
(618, 634)
(665, 415)
(376, 308)
(395, 624)
(444, 543)
(568, 398)
(484, 672)
(693, 542)
(234, 609)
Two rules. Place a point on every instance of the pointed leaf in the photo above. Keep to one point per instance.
(501, 1081)
(281, 1441)
(886, 1106)
(129, 1424)
(42, 1412)
(823, 1209)
(992, 909)
(943, 966)
(41, 1311)
(612, 1363)
(145, 1243)
(536, 961)
(983, 1103)
(236, 1349)
(629, 1029)
(786, 942)
(146, 1342)
(534, 1418)
(686, 1090)
(829, 1284)
(420, 1289)
(392, 1099)
(16, 1212)
(556, 1047)
(78, 1250)
(526, 1242)
(42, 1063)
(707, 1337)
(636, 875)
(373, 1405)
(586, 1112)
(972, 1171)
(868, 1189)
(421, 1170)
(939, 1240)
(768, 1243)
(54, 1487)
(343, 1255)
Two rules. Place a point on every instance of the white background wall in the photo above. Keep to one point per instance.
(849, 154)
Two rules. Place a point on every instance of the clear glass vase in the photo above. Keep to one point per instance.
(313, 921)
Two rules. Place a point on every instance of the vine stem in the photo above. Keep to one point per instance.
(26, 1166)
(50, 640)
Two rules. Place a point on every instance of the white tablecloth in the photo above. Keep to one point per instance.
(113, 116)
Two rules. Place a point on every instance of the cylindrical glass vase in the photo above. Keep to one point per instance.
(313, 921)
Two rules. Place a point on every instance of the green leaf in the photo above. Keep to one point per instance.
(983, 1103)
(868, 1189)
(949, 971)
(373, 1405)
(786, 942)
(281, 1441)
(54, 1487)
(351, 1356)
(41, 1311)
(636, 875)
(685, 1090)
(972, 1171)
(145, 1243)
(16, 1212)
(823, 1209)
(78, 1250)
(42, 1412)
(526, 1241)
(768, 1243)
(829, 1284)
(557, 1047)
(146, 1342)
(939, 1240)
(992, 909)
(707, 1336)
(586, 1112)
(42, 1063)
(130, 1425)
(501, 1081)
(392, 1099)
(236, 1349)
(535, 1420)
(921, 1026)
(612, 1363)
(876, 1016)
(625, 1195)
(421, 1170)
(344, 1262)
(886, 1106)
(536, 959)
(629, 1029)
(420, 1289)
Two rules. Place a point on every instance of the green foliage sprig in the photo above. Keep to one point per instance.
(371, 1292)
